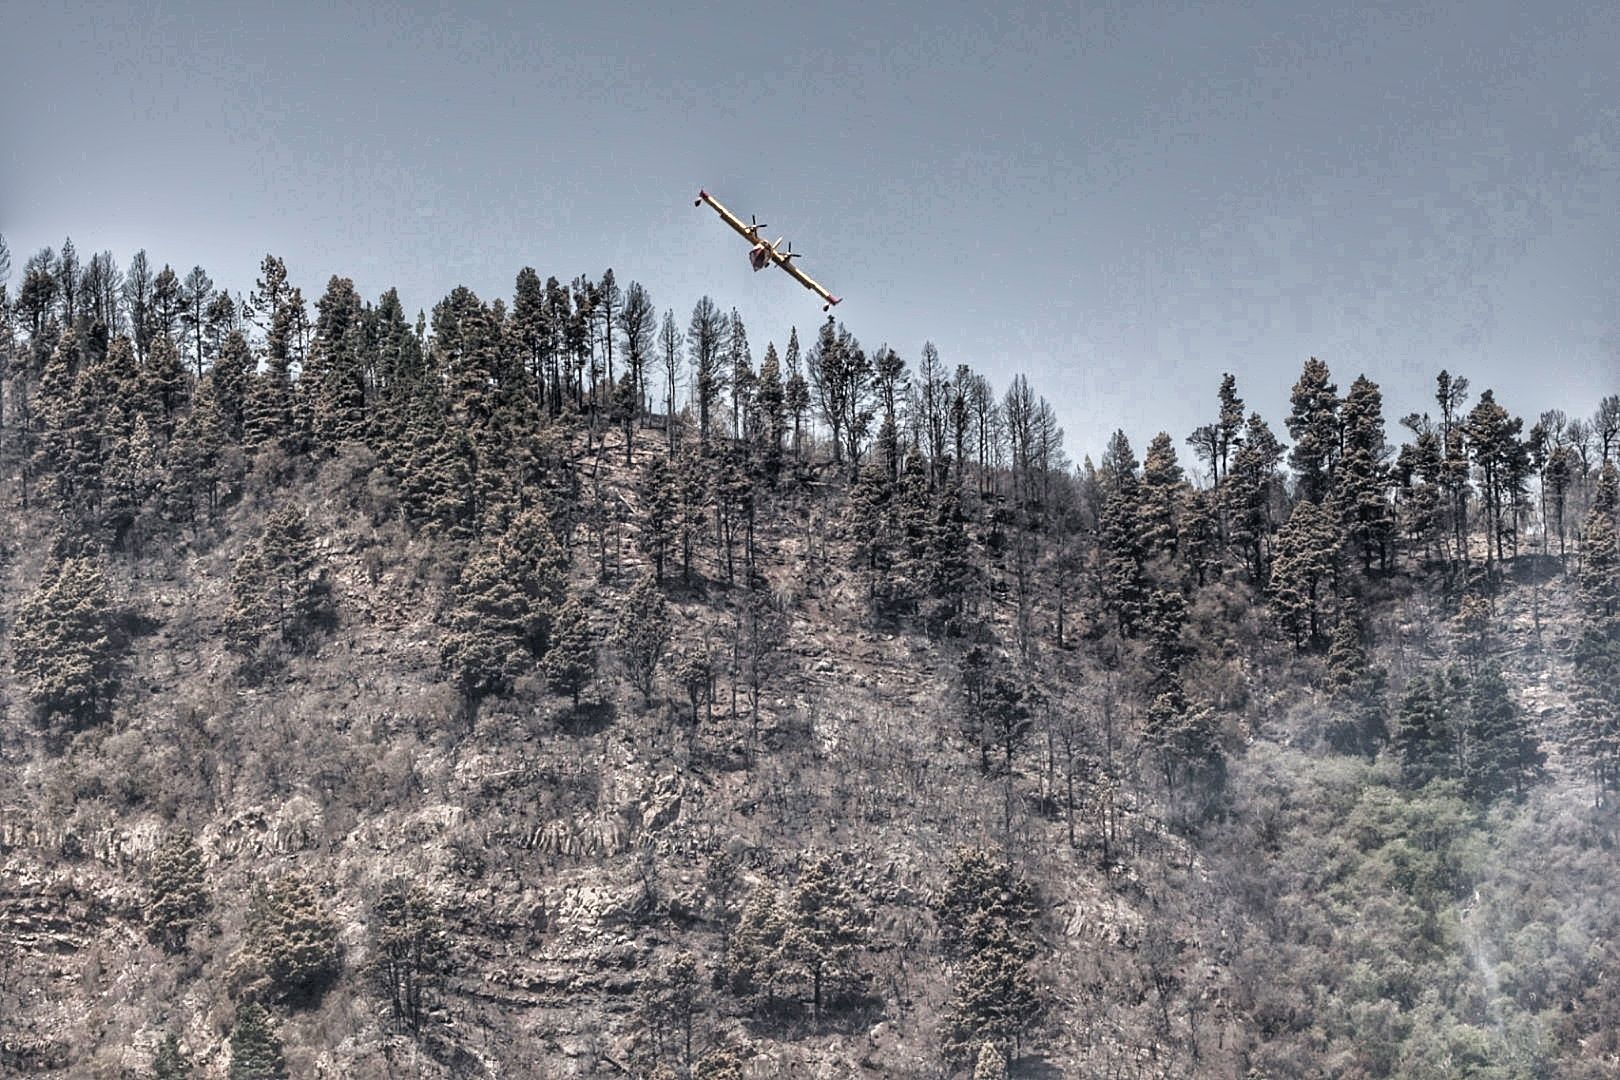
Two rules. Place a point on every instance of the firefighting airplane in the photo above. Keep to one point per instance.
(762, 254)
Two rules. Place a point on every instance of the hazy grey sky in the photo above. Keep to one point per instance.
(1121, 200)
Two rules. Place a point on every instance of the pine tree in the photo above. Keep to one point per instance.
(195, 294)
(197, 461)
(689, 474)
(297, 590)
(936, 398)
(638, 322)
(333, 381)
(460, 353)
(1200, 538)
(1501, 753)
(1558, 469)
(67, 281)
(949, 577)
(667, 1003)
(170, 1063)
(841, 375)
(410, 950)
(1473, 622)
(666, 1006)
(1314, 425)
(279, 309)
(99, 284)
(657, 495)
(796, 391)
(609, 299)
(436, 481)
(990, 1065)
(693, 671)
(1357, 725)
(1228, 426)
(1188, 737)
(669, 351)
(290, 951)
(1246, 497)
(578, 334)
(398, 379)
(1163, 492)
(62, 645)
(771, 399)
(741, 364)
(761, 632)
(167, 377)
(642, 634)
(871, 518)
(721, 1063)
(1361, 484)
(1423, 739)
(570, 662)
(1600, 562)
(127, 387)
(76, 394)
(176, 897)
(733, 494)
(255, 1048)
(1307, 558)
(1124, 548)
(706, 346)
(485, 646)
(530, 329)
(913, 518)
(1493, 437)
(1606, 426)
(267, 412)
(1451, 393)
(167, 304)
(529, 547)
(824, 928)
(136, 294)
(222, 318)
(1420, 496)
(59, 422)
(250, 618)
(1347, 667)
(981, 890)
(994, 998)
(1597, 651)
(890, 370)
(1164, 619)
(1205, 441)
(988, 918)
(994, 712)
(754, 961)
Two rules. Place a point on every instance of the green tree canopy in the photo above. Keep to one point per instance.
(62, 644)
(176, 895)
(641, 634)
(170, 1063)
(255, 1047)
(290, 950)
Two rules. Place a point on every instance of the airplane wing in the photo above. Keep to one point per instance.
(747, 232)
(803, 278)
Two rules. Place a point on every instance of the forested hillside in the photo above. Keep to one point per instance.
(556, 686)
